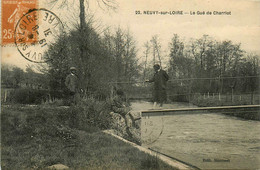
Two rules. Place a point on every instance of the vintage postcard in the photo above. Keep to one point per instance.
(130, 84)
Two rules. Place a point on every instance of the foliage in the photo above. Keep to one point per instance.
(105, 59)
(90, 112)
(27, 96)
(37, 137)
(14, 77)
(208, 58)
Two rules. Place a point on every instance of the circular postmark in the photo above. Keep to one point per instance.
(35, 32)
(151, 129)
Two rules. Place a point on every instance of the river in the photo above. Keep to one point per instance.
(205, 140)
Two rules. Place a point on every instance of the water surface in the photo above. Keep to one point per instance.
(206, 140)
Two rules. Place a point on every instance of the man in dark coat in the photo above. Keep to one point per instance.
(71, 83)
(160, 79)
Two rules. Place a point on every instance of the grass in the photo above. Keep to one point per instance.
(225, 100)
(37, 137)
(253, 114)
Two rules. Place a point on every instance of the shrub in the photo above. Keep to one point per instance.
(90, 113)
(27, 96)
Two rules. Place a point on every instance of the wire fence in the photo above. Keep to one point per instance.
(197, 89)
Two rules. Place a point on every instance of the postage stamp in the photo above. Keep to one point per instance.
(34, 32)
(12, 11)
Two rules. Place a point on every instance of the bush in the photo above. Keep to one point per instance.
(179, 98)
(27, 96)
(38, 137)
(90, 113)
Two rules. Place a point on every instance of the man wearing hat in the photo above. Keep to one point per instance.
(160, 79)
(71, 83)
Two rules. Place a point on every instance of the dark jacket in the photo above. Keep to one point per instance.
(160, 79)
(72, 83)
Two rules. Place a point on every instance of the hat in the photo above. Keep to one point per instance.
(120, 92)
(72, 68)
(156, 66)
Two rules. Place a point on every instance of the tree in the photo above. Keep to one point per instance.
(147, 50)
(84, 34)
(111, 57)
(249, 67)
(156, 47)
(6, 75)
(200, 49)
(176, 56)
(18, 76)
(131, 68)
(208, 58)
(34, 79)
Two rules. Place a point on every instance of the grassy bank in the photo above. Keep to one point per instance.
(37, 137)
(208, 100)
(252, 114)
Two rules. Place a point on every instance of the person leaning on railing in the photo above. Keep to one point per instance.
(159, 79)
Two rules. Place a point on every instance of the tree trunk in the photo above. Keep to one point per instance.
(82, 48)
(82, 15)
(146, 54)
(82, 25)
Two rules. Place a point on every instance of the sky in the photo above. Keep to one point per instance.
(242, 26)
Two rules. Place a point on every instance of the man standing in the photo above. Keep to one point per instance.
(71, 83)
(160, 79)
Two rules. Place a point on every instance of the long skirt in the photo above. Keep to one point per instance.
(160, 96)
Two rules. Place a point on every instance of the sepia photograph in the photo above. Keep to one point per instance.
(130, 84)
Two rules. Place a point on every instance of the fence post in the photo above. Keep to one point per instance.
(219, 97)
(111, 90)
(227, 97)
(208, 94)
(252, 98)
(5, 96)
(232, 97)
